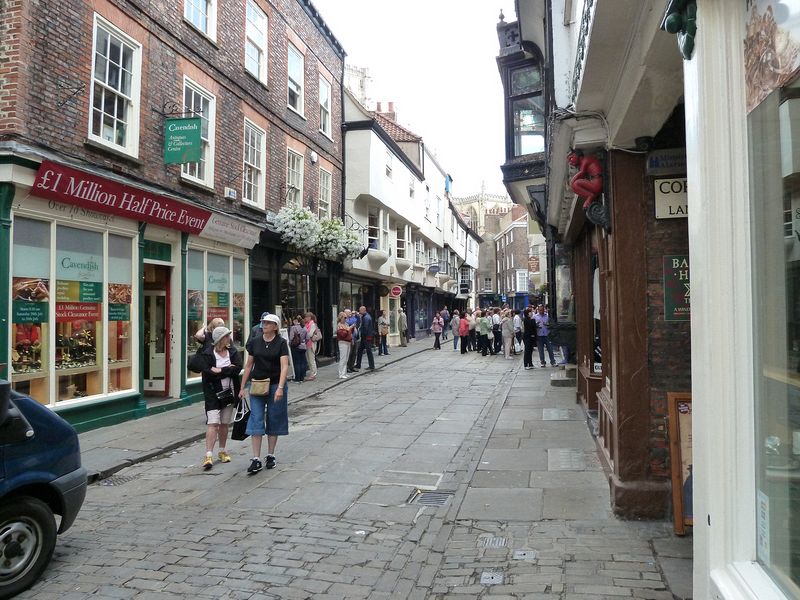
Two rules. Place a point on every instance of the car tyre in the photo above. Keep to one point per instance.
(27, 541)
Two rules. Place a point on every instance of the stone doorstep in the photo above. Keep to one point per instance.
(562, 379)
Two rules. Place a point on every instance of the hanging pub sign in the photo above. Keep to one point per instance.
(182, 140)
(676, 288)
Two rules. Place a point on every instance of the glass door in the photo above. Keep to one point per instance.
(156, 330)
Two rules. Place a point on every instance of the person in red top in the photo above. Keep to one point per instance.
(463, 332)
(344, 337)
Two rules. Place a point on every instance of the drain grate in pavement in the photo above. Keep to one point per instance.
(429, 498)
(524, 555)
(492, 542)
(492, 578)
(118, 479)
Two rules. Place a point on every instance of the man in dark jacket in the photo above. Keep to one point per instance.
(367, 335)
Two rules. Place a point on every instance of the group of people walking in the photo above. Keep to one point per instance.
(493, 330)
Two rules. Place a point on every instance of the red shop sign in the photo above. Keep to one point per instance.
(65, 184)
(77, 311)
(396, 291)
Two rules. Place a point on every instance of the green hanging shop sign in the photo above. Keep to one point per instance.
(182, 140)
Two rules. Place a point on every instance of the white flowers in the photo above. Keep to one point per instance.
(328, 238)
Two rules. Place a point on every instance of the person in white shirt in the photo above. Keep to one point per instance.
(517, 331)
(498, 335)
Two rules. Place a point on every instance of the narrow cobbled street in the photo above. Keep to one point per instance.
(438, 476)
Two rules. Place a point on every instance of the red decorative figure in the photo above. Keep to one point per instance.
(588, 181)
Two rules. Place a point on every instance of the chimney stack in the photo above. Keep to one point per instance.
(380, 107)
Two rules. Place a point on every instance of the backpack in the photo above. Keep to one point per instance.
(295, 341)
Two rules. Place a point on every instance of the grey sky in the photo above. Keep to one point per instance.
(435, 59)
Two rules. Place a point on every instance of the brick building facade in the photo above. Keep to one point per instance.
(86, 91)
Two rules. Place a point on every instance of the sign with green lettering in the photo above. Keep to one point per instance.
(182, 140)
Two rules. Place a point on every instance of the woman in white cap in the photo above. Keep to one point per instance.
(267, 366)
(220, 365)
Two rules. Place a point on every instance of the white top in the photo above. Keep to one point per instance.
(222, 362)
(517, 323)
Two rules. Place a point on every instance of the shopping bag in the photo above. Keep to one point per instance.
(240, 419)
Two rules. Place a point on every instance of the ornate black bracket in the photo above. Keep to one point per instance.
(681, 19)
(597, 213)
(73, 90)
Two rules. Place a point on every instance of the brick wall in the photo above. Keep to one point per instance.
(669, 343)
(14, 53)
(60, 36)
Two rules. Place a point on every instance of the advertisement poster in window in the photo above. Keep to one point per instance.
(771, 47)
(677, 288)
(680, 441)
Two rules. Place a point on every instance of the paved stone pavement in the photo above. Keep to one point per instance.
(519, 503)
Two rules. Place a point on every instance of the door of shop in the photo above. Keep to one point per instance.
(156, 329)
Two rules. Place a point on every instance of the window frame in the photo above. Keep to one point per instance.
(263, 62)
(326, 112)
(329, 200)
(211, 18)
(389, 163)
(260, 200)
(291, 48)
(511, 99)
(209, 147)
(131, 147)
(401, 241)
(296, 193)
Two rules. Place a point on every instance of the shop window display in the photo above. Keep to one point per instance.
(30, 309)
(120, 296)
(239, 304)
(195, 299)
(79, 321)
(775, 190)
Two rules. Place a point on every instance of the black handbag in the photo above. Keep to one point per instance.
(240, 419)
(226, 397)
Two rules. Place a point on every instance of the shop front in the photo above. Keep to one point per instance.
(101, 316)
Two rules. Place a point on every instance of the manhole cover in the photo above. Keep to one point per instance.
(524, 555)
(430, 498)
(492, 578)
(492, 542)
(117, 479)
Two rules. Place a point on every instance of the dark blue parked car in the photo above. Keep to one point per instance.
(40, 477)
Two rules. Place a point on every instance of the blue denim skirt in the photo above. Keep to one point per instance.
(276, 419)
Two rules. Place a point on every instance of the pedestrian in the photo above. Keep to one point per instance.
(455, 321)
(473, 336)
(383, 331)
(204, 335)
(314, 335)
(366, 335)
(298, 341)
(496, 333)
(402, 325)
(463, 331)
(507, 331)
(354, 321)
(528, 337)
(543, 335)
(437, 326)
(485, 328)
(517, 331)
(344, 338)
(267, 366)
(219, 364)
(445, 314)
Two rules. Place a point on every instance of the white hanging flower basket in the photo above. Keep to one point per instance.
(329, 238)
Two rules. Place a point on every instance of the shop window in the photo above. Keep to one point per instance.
(120, 297)
(255, 47)
(79, 320)
(295, 289)
(564, 305)
(525, 109)
(30, 309)
(215, 288)
(200, 103)
(72, 332)
(114, 95)
(774, 154)
(296, 80)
